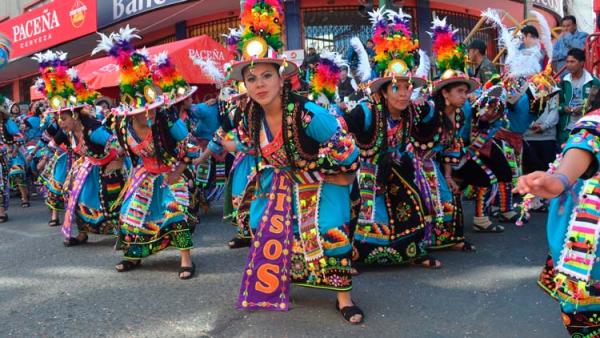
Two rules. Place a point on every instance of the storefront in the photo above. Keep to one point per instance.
(319, 23)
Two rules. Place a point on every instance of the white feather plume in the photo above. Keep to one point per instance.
(397, 16)
(440, 23)
(39, 57)
(210, 69)
(72, 72)
(334, 57)
(377, 15)
(105, 43)
(233, 32)
(62, 56)
(161, 58)
(546, 35)
(49, 55)
(519, 62)
(39, 83)
(127, 34)
(364, 66)
(424, 65)
(144, 53)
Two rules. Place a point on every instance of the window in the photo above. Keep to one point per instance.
(215, 29)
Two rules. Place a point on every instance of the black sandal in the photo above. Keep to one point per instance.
(350, 311)
(467, 247)
(25, 204)
(128, 265)
(237, 242)
(3, 218)
(54, 222)
(190, 269)
(427, 263)
(73, 241)
(504, 219)
(495, 228)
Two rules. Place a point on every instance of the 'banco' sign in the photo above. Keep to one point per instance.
(113, 11)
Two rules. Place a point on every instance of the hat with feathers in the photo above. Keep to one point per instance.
(139, 93)
(450, 59)
(260, 37)
(395, 48)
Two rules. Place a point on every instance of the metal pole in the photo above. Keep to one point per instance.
(525, 9)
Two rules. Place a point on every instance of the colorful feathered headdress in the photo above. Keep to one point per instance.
(450, 58)
(82, 92)
(54, 81)
(170, 80)
(260, 38)
(138, 91)
(324, 80)
(394, 46)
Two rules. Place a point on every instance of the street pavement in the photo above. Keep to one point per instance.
(47, 290)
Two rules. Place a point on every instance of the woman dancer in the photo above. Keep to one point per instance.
(391, 220)
(449, 96)
(153, 215)
(299, 198)
(574, 225)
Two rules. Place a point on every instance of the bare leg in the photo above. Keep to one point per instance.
(24, 193)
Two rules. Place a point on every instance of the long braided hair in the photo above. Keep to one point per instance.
(440, 104)
(256, 114)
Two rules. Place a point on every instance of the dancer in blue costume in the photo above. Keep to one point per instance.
(573, 227)
(17, 166)
(56, 163)
(445, 227)
(154, 214)
(391, 221)
(299, 197)
(485, 164)
(242, 169)
(95, 179)
(9, 139)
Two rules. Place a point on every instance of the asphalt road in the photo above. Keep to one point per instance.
(47, 290)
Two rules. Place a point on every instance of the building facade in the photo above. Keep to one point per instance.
(320, 23)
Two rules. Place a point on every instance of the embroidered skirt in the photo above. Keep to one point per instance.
(95, 211)
(153, 216)
(53, 178)
(391, 225)
(445, 226)
(582, 324)
(17, 171)
(325, 259)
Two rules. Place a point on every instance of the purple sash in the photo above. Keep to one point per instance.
(75, 189)
(266, 279)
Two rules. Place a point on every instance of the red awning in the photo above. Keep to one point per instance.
(103, 73)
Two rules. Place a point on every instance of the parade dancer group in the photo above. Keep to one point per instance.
(316, 186)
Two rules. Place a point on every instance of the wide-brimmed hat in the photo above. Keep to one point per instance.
(450, 57)
(395, 49)
(260, 38)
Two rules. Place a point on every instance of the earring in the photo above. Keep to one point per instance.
(148, 120)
